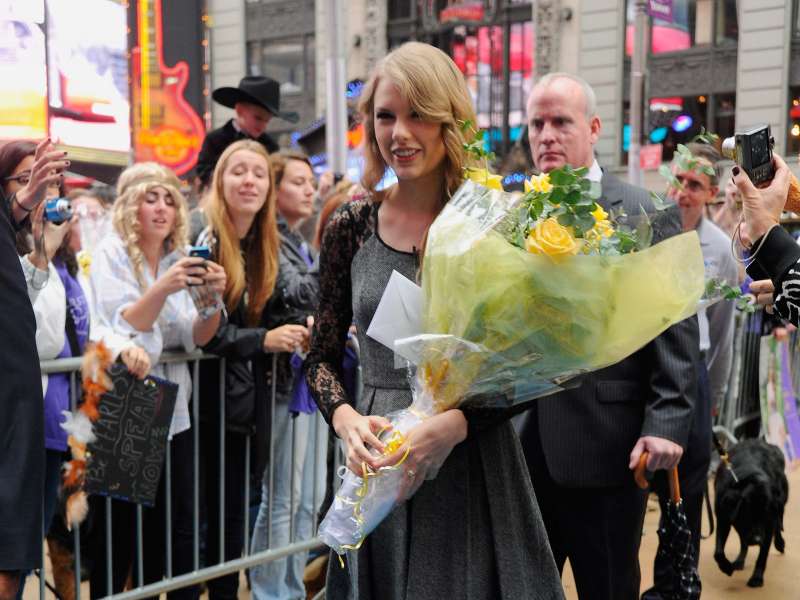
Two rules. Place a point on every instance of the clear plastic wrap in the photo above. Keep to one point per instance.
(504, 326)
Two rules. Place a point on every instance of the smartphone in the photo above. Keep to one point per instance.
(203, 252)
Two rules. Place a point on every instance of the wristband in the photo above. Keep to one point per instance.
(25, 208)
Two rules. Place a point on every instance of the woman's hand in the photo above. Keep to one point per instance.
(48, 170)
(187, 271)
(359, 433)
(762, 207)
(137, 361)
(764, 292)
(47, 238)
(215, 277)
(430, 444)
(286, 338)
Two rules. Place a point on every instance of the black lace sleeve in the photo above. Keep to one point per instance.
(344, 235)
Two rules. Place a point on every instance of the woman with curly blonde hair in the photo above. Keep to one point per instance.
(140, 276)
(473, 529)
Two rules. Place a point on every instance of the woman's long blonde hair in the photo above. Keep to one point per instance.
(257, 271)
(133, 185)
(434, 87)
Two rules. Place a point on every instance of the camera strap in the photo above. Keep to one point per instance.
(72, 333)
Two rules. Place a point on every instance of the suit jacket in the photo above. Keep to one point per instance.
(215, 143)
(588, 432)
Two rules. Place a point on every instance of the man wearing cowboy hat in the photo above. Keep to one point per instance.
(256, 100)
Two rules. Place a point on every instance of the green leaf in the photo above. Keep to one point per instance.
(566, 219)
(572, 197)
(584, 222)
(658, 202)
(580, 172)
(557, 195)
(561, 177)
(708, 170)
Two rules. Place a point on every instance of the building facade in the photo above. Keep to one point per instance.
(721, 65)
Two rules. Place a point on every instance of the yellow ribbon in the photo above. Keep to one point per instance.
(432, 379)
(394, 443)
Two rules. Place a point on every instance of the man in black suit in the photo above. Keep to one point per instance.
(582, 444)
(256, 100)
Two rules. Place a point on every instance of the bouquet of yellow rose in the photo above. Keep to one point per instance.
(522, 293)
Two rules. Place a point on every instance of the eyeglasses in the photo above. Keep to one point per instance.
(691, 185)
(22, 178)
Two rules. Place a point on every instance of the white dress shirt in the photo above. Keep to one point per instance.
(115, 288)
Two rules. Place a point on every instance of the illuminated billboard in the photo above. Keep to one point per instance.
(166, 127)
(23, 80)
(87, 69)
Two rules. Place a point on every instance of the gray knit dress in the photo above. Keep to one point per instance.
(472, 533)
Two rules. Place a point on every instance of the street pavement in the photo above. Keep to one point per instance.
(781, 578)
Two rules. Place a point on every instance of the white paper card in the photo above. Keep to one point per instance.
(399, 314)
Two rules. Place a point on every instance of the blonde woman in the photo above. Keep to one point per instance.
(243, 236)
(139, 275)
(473, 531)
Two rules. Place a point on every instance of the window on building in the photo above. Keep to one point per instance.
(676, 120)
(290, 61)
(478, 53)
(691, 23)
(400, 9)
(725, 115)
(793, 143)
(727, 22)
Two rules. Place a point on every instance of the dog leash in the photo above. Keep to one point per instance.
(723, 455)
(726, 460)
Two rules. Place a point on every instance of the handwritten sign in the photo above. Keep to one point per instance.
(127, 458)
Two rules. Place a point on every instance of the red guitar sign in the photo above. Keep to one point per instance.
(166, 128)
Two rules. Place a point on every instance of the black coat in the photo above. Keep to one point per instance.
(22, 453)
(248, 369)
(215, 143)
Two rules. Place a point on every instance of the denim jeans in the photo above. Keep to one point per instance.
(293, 503)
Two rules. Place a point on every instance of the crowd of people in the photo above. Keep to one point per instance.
(496, 514)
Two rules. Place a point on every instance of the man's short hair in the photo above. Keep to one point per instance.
(588, 92)
(708, 153)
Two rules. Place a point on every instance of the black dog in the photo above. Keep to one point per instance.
(753, 505)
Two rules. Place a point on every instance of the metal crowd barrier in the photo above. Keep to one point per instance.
(739, 415)
(199, 573)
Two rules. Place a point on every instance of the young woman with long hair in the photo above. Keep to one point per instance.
(295, 468)
(243, 236)
(473, 530)
(140, 275)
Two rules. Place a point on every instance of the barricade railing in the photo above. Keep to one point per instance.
(739, 415)
(214, 566)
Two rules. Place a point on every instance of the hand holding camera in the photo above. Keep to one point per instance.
(762, 207)
(47, 171)
(47, 237)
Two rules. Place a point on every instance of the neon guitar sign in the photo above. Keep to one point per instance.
(167, 129)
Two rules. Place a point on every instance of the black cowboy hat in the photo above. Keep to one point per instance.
(263, 91)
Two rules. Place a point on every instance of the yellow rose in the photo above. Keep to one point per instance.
(551, 238)
(599, 214)
(538, 183)
(485, 178)
(603, 228)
